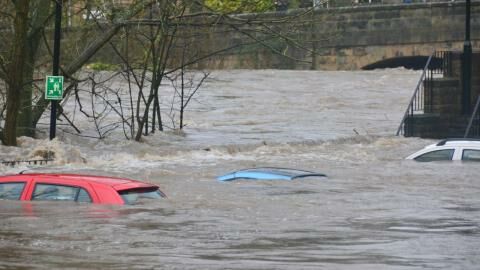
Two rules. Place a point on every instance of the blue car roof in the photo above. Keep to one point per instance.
(268, 173)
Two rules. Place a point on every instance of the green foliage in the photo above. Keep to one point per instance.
(239, 6)
(98, 66)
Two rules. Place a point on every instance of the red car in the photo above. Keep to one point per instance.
(76, 188)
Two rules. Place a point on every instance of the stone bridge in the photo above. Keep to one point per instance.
(365, 37)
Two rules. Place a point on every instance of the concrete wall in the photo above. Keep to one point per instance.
(351, 38)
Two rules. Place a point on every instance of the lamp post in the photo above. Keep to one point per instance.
(467, 63)
(56, 63)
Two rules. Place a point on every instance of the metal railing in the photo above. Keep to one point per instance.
(29, 162)
(473, 128)
(439, 63)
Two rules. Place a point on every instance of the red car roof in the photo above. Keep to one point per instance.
(115, 182)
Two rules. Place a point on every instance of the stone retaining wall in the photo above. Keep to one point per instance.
(351, 38)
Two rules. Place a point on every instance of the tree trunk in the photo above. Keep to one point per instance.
(42, 8)
(16, 67)
(24, 118)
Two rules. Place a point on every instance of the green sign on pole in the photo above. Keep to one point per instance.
(54, 88)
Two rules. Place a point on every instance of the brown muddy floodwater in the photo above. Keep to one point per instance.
(374, 211)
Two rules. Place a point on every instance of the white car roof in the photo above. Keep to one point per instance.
(459, 142)
(447, 143)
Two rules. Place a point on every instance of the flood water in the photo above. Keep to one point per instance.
(375, 210)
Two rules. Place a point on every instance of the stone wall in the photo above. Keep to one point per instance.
(346, 38)
(444, 96)
(351, 38)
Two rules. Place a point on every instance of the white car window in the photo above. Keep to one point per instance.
(471, 154)
(437, 155)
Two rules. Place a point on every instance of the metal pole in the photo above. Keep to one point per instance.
(467, 63)
(56, 63)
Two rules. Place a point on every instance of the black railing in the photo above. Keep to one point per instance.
(473, 128)
(438, 64)
(29, 162)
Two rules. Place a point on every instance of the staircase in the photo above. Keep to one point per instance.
(435, 109)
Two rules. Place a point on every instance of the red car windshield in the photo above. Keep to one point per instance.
(134, 196)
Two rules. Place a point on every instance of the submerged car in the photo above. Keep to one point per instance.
(268, 173)
(449, 149)
(76, 188)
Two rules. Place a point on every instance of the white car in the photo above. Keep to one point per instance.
(449, 149)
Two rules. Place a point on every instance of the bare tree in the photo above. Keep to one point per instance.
(157, 42)
(25, 22)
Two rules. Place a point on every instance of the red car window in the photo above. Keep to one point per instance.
(133, 196)
(53, 192)
(11, 191)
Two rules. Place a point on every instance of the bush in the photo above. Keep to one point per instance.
(239, 6)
